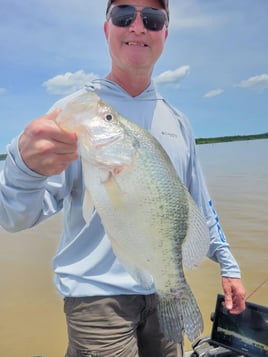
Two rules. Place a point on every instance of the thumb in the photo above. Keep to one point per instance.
(53, 115)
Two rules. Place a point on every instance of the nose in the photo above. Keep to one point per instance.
(137, 25)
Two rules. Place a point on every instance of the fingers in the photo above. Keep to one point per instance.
(45, 147)
(234, 295)
(228, 300)
(58, 134)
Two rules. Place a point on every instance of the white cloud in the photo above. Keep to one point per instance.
(257, 82)
(213, 93)
(172, 77)
(69, 82)
(3, 91)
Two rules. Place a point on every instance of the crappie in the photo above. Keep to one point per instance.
(148, 214)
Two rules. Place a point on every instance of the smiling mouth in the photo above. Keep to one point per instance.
(138, 44)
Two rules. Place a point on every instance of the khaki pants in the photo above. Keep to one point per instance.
(117, 326)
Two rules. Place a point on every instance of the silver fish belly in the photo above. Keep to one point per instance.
(149, 216)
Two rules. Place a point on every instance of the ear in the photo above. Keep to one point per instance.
(105, 28)
(166, 33)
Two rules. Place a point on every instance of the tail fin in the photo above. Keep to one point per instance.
(179, 313)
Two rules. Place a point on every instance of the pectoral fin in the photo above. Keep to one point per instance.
(88, 206)
(114, 191)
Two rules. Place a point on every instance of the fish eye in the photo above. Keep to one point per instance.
(108, 117)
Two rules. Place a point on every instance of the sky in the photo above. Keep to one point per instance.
(214, 67)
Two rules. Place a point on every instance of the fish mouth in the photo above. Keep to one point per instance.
(97, 154)
(100, 141)
(108, 151)
(103, 142)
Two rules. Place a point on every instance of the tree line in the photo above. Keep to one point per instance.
(220, 139)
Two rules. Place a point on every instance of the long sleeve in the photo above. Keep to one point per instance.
(26, 198)
(219, 249)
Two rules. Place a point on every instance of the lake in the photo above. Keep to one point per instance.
(32, 320)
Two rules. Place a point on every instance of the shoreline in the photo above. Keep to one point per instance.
(225, 139)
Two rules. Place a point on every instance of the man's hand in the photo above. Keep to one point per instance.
(234, 295)
(45, 147)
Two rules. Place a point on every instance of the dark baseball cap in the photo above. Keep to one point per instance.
(163, 3)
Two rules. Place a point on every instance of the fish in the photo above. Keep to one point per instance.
(154, 226)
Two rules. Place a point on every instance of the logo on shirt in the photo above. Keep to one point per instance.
(171, 135)
(220, 232)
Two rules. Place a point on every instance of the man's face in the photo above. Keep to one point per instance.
(134, 47)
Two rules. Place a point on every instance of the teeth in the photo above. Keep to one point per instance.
(136, 44)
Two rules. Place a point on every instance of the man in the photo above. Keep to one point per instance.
(107, 312)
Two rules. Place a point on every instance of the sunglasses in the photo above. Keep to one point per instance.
(125, 15)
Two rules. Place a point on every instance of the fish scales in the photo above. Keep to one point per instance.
(138, 208)
(148, 214)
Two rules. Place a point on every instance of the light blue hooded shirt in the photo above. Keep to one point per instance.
(84, 263)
